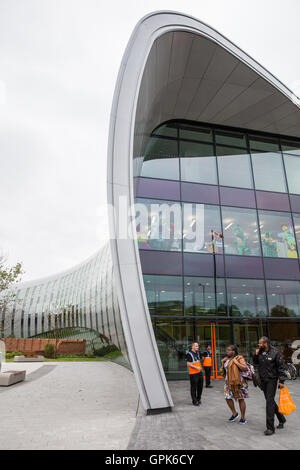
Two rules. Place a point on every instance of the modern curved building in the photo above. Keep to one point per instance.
(202, 134)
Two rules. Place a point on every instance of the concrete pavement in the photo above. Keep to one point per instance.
(68, 405)
(206, 427)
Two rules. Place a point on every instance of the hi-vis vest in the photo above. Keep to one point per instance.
(207, 362)
(195, 362)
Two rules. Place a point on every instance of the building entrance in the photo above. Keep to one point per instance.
(217, 335)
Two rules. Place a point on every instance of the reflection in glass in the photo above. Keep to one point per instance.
(164, 294)
(204, 296)
(283, 298)
(268, 172)
(292, 168)
(202, 228)
(240, 232)
(236, 139)
(174, 339)
(198, 163)
(246, 297)
(158, 225)
(283, 335)
(247, 334)
(234, 167)
(296, 218)
(161, 159)
(291, 147)
(277, 234)
(265, 144)
(192, 132)
(167, 130)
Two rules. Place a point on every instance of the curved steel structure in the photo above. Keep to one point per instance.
(174, 67)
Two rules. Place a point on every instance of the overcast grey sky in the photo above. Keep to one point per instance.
(59, 61)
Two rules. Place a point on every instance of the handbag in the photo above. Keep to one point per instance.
(249, 373)
(286, 404)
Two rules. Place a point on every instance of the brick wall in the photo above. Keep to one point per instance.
(37, 345)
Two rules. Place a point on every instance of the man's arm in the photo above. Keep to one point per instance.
(280, 368)
(255, 358)
(189, 364)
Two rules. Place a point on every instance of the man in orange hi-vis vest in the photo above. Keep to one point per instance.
(207, 364)
(195, 373)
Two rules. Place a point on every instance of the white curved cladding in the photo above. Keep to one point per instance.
(136, 320)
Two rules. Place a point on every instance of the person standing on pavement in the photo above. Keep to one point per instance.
(195, 373)
(207, 364)
(271, 371)
(236, 387)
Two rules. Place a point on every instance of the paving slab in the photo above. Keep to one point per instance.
(207, 428)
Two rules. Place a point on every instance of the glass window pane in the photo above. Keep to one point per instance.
(284, 298)
(164, 294)
(246, 297)
(198, 163)
(158, 224)
(277, 234)
(231, 138)
(202, 228)
(268, 172)
(292, 167)
(240, 232)
(188, 131)
(291, 147)
(161, 159)
(265, 144)
(247, 334)
(283, 334)
(204, 296)
(168, 130)
(296, 218)
(174, 338)
(234, 167)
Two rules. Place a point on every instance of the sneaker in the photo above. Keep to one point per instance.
(243, 421)
(269, 432)
(233, 418)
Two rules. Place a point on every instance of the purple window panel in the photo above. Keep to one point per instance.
(276, 268)
(237, 197)
(192, 192)
(158, 189)
(244, 267)
(295, 203)
(202, 265)
(273, 201)
(161, 262)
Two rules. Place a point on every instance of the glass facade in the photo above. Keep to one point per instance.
(80, 304)
(229, 271)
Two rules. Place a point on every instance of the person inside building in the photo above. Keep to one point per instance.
(207, 365)
(236, 387)
(195, 373)
(271, 371)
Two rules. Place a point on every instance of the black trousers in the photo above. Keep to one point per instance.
(207, 375)
(196, 386)
(269, 388)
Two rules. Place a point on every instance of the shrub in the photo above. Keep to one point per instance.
(49, 350)
(105, 350)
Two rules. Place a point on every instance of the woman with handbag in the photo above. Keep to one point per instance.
(236, 387)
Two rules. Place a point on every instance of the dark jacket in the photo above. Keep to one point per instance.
(270, 365)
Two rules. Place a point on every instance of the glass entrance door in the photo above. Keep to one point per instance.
(217, 335)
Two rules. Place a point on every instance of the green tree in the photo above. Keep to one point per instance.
(9, 277)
